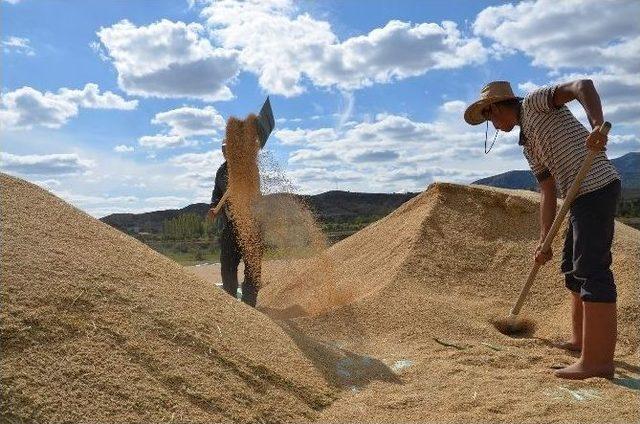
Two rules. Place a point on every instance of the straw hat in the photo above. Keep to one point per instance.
(493, 92)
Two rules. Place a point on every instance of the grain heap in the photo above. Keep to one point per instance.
(418, 289)
(96, 327)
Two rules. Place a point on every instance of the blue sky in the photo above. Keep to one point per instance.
(119, 106)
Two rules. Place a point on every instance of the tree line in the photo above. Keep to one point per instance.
(190, 226)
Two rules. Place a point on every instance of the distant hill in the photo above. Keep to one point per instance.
(342, 206)
(628, 166)
(330, 206)
(511, 179)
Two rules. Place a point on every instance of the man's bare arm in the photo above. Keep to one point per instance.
(548, 205)
(585, 92)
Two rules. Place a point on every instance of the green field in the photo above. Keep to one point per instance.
(207, 250)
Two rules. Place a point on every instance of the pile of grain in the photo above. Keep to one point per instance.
(420, 287)
(96, 327)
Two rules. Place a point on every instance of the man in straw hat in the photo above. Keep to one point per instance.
(553, 142)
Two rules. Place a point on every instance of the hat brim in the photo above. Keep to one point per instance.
(473, 114)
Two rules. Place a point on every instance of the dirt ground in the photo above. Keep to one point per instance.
(389, 325)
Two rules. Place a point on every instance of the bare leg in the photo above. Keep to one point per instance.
(575, 343)
(599, 343)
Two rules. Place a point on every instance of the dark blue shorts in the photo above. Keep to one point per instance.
(586, 257)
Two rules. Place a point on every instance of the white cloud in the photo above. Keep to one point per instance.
(373, 156)
(103, 204)
(48, 184)
(619, 93)
(183, 123)
(97, 48)
(17, 45)
(425, 175)
(91, 98)
(122, 148)
(167, 202)
(201, 170)
(393, 152)
(161, 141)
(26, 107)
(190, 121)
(570, 33)
(11, 1)
(314, 157)
(602, 40)
(53, 164)
(618, 145)
(199, 161)
(288, 137)
(169, 59)
(283, 47)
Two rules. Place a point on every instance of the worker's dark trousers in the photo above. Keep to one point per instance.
(586, 258)
(230, 255)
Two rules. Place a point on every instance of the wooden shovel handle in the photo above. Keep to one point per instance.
(557, 222)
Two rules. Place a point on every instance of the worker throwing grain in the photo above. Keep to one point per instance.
(230, 249)
(235, 196)
(555, 144)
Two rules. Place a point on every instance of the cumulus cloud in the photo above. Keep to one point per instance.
(567, 34)
(169, 59)
(199, 161)
(48, 184)
(53, 164)
(289, 137)
(374, 156)
(618, 144)
(161, 141)
(27, 107)
(314, 157)
(620, 94)
(122, 148)
(182, 124)
(387, 138)
(283, 47)
(190, 121)
(425, 175)
(600, 39)
(17, 45)
(390, 151)
(200, 169)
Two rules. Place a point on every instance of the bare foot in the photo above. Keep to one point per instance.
(570, 346)
(580, 371)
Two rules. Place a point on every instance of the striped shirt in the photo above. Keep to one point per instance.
(554, 144)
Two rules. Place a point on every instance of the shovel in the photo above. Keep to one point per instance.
(512, 324)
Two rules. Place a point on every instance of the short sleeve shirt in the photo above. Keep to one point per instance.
(554, 144)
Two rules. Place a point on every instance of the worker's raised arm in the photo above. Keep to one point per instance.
(585, 92)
